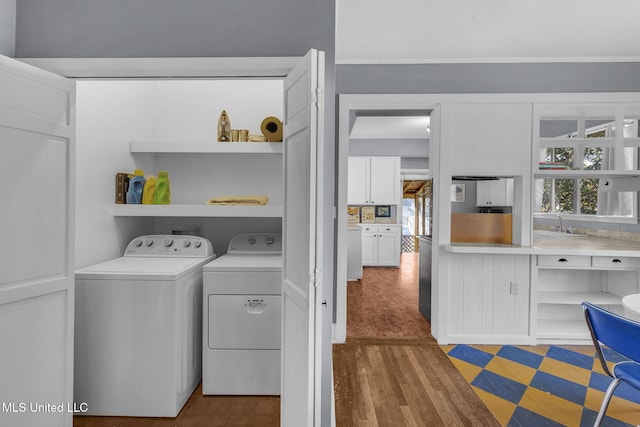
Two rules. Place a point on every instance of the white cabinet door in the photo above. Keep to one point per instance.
(489, 297)
(373, 181)
(389, 246)
(370, 246)
(302, 244)
(385, 181)
(37, 220)
(358, 181)
(495, 192)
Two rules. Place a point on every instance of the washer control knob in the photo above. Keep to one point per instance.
(252, 240)
(269, 240)
(148, 242)
(167, 242)
(138, 243)
(197, 243)
(187, 243)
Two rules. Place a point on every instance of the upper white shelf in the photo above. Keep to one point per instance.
(203, 147)
(202, 210)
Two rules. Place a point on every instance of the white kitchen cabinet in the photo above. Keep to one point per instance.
(563, 282)
(381, 245)
(374, 181)
(488, 298)
(494, 192)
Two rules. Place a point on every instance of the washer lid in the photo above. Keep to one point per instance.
(141, 268)
(245, 262)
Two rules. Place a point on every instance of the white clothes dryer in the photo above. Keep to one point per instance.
(138, 329)
(242, 316)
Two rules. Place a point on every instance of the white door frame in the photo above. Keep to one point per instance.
(347, 105)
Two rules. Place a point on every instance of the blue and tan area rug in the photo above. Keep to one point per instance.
(543, 386)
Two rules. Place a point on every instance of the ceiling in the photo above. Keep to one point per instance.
(390, 127)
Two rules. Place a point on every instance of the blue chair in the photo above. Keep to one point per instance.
(621, 335)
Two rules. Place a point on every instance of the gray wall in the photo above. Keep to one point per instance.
(488, 78)
(7, 27)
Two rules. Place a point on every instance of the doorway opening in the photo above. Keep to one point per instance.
(384, 301)
(416, 212)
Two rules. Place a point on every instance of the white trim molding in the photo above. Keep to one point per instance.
(241, 67)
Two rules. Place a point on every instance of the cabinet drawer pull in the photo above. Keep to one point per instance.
(616, 261)
(563, 260)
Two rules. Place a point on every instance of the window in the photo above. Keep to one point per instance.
(572, 164)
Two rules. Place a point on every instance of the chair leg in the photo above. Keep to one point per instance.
(605, 402)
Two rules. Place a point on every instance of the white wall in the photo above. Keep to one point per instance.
(110, 114)
(487, 31)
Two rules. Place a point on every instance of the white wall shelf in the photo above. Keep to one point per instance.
(203, 210)
(573, 298)
(205, 147)
(581, 173)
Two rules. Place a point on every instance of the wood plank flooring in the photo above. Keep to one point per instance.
(402, 382)
(201, 411)
(391, 371)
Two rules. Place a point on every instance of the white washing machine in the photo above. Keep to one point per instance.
(241, 322)
(138, 328)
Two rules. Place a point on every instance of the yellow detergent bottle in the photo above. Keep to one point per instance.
(136, 185)
(149, 190)
(162, 195)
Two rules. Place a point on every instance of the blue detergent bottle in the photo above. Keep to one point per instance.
(136, 186)
(162, 195)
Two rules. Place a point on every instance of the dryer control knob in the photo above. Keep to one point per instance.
(138, 243)
(148, 242)
(187, 243)
(167, 242)
(252, 240)
(197, 243)
(269, 240)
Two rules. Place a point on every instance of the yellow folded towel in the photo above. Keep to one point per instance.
(239, 200)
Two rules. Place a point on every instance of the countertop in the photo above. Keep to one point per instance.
(579, 245)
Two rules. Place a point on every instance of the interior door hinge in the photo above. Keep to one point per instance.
(318, 98)
(316, 276)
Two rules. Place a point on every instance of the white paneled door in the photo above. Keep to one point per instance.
(37, 162)
(302, 238)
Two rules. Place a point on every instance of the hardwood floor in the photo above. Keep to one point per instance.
(201, 411)
(391, 371)
(402, 382)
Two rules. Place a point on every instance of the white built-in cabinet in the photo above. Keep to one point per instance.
(374, 181)
(488, 298)
(563, 282)
(495, 192)
(242, 159)
(381, 245)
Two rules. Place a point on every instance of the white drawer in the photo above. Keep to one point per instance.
(564, 260)
(615, 262)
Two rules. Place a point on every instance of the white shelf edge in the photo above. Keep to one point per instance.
(557, 328)
(178, 210)
(570, 173)
(586, 142)
(551, 297)
(203, 147)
